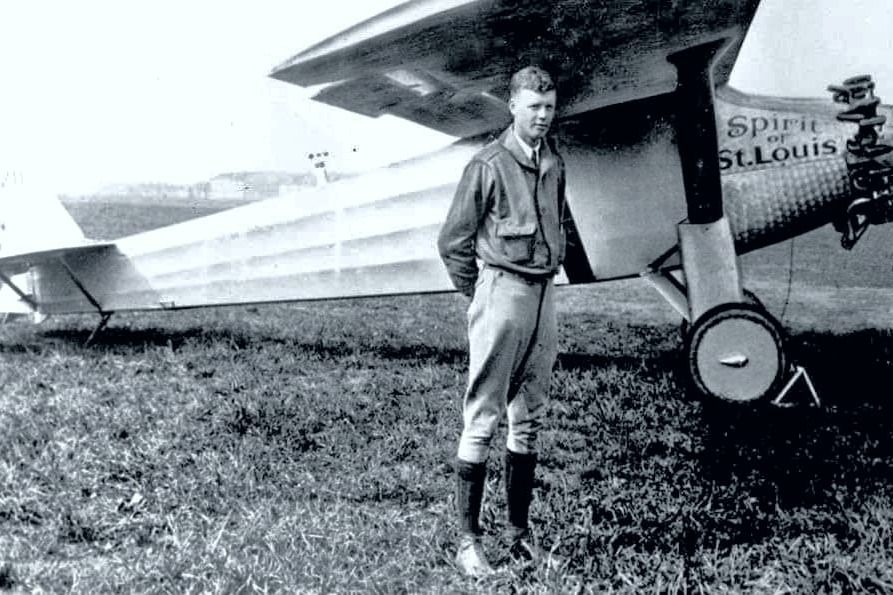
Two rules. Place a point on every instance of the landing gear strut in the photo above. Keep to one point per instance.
(735, 351)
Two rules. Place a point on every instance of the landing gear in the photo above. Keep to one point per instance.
(736, 353)
(750, 298)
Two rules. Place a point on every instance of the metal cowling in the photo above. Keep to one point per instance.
(771, 205)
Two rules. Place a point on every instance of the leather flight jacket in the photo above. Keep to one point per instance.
(506, 212)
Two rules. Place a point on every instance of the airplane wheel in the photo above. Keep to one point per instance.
(736, 353)
(749, 298)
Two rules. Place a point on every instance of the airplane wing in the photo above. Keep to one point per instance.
(23, 260)
(446, 64)
(17, 288)
(37, 231)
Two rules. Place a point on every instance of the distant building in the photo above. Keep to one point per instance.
(291, 190)
(256, 185)
(225, 186)
(228, 186)
(147, 190)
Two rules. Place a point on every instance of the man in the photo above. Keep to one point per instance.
(507, 214)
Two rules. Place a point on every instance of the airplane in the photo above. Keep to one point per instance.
(671, 175)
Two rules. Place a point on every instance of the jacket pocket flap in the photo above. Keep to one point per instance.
(507, 229)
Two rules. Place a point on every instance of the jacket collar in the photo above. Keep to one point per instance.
(547, 158)
(527, 149)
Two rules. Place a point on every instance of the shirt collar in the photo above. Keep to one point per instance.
(528, 150)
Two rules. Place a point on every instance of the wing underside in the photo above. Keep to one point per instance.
(19, 291)
(18, 262)
(445, 64)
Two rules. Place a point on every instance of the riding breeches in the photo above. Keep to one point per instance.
(513, 344)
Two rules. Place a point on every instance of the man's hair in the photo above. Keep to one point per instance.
(533, 78)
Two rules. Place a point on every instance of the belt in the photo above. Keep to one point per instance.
(532, 278)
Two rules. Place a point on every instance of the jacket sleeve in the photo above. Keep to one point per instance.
(456, 242)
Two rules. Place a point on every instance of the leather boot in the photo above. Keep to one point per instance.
(519, 474)
(470, 556)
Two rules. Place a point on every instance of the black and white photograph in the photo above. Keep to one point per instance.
(446, 296)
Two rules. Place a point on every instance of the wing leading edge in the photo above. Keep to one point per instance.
(445, 64)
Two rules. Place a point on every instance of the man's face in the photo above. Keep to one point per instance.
(532, 113)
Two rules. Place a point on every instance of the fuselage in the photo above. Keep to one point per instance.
(783, 173)
(783, 165)
(781, 161)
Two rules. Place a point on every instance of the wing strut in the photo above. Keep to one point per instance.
(102, 322)
(104, 314)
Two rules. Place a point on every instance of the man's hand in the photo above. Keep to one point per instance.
(468, 290)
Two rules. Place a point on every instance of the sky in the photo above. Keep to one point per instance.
(97, 92)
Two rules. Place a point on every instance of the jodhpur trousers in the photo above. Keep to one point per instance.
(513, 343)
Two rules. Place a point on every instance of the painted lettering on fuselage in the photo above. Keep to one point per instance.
(752, 138)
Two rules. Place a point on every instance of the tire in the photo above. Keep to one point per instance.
(749, 298)
(735, 353)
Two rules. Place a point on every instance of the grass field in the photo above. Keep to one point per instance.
(308, 448)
